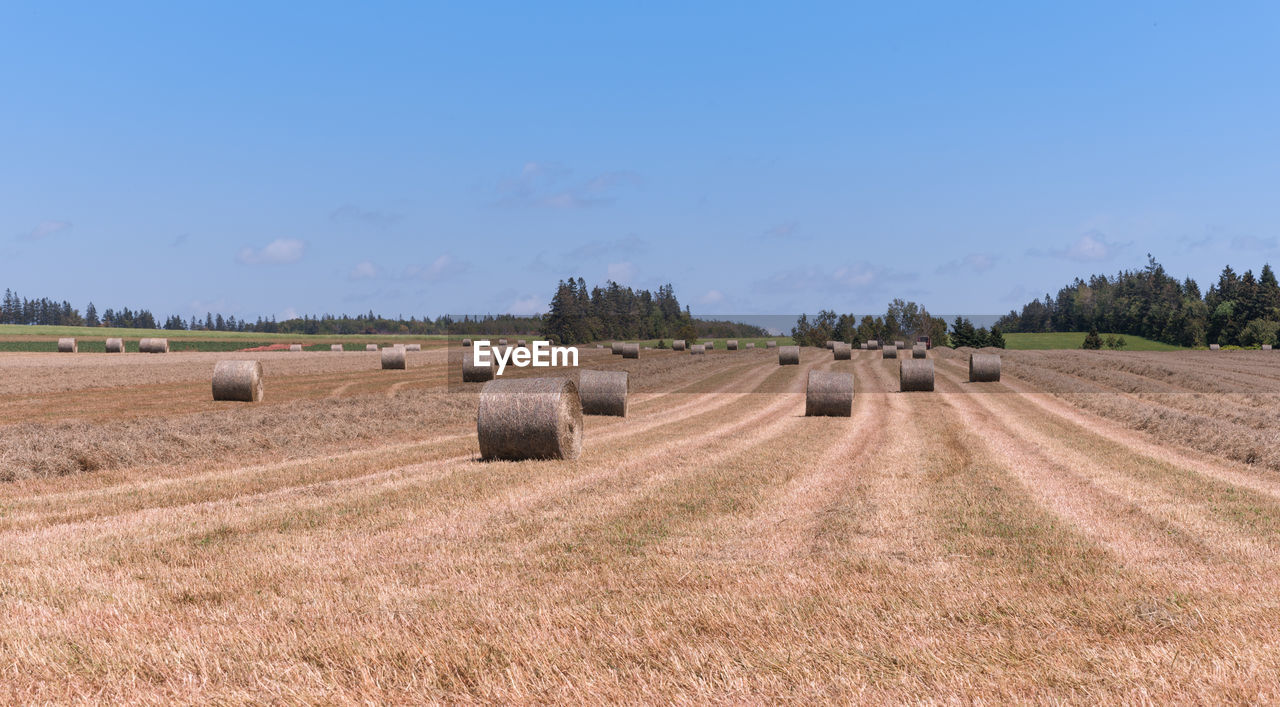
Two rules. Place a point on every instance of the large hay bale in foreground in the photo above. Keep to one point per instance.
(731, 344)
(393, 359)
(842, 351)
(295, 347)
(984, 368)
(889, 351)
(616, 348)
(370, 347)
(919, 351)
(771, 345)
(335, 347)
(68, 346)
(239, 381)
(631, 350)
(677, 345)
(529, 418)
(472, 373)
(1214, 347)
(788, 355)
(466, 342)
(604, 392)
(915, 375)
(698, 350)
(115, 345)
(829, 393)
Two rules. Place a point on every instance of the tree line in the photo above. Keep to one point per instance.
(1242, 310)
(902, 321)
(579, 314)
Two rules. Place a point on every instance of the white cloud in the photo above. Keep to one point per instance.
(973, 262)
(44, 229)
(527, 305)
(622, 273)
(1090, 247)
(281, 251)
(363, 271)
(711, 297)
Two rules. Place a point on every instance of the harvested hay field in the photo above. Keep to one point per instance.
(1094, 527)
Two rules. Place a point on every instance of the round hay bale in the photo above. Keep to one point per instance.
(599, 346)
(158, 346)
(829, 393)
(295, 347)
(918, 351)
(771, 345)
(751, 344)
(115, 345)
(471, 373)
(631, 350)
(731, 344)
(873, 345)
(604, 392)
(68, 346)
(698, 350)
(502, 342)
(915, 375)
(413, 347)
(788, 355)
(889, 351)
(370, 347)
(677, 345)
(899, 345)
(1266, 347)
(616, 348)
(466, 342)
(521, 343)
(862, 346)
(648, 348)
(1214, 347)
(529, 418)
(239, 381)
(842, 351)
(984, 368)
(335, 347)
(393, 359)
(830, 345)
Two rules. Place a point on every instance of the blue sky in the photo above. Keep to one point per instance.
(415, 158)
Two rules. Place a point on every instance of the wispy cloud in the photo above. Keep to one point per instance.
(711, 297)
(281, 251)
(363, 271)
(973, 262)
(44, 229)
(350, 213)
(1090, 247)
(439, 269)
(551, 185)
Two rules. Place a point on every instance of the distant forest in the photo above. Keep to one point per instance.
(579, 314)
(902, 321)
(1241, 310)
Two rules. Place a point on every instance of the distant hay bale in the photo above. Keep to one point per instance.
(599, 346)
(295, 347)
(709, 344)
(144, 345)
(830, 345)
(335, 347)
(115, 345)
(771, 345)
(751, 344)
(915, 375)
(788, 355)
(631, 350)
(472, 373)
(68, 346)
(153, 346)
(413, 347)
(873, 345)
(1266, 347)
(466, 342)
(862, 346)
(521, 343)
(604, 392)
(677, 345)
(502, 342)
(829, 393)
(370, 347)
(393, 359)
(889, 351)
(239, 381)
(616, 348)
(1214, 347)
(698, 350)
(648, 348)
(899, 345)
(919, 351)
(984, 368)
(842, 351)
(731, 344)
(529, 418)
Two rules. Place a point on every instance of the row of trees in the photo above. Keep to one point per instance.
(1239, 309)
(578, 314)
(902, 321)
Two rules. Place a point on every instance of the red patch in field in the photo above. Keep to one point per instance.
(269, 347)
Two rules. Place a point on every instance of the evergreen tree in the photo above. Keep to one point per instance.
(1092, 340)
